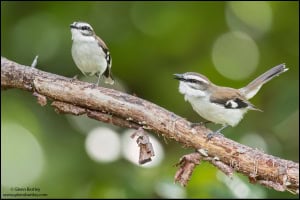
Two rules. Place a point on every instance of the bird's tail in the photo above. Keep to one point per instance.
(252, 88)
(109, 80)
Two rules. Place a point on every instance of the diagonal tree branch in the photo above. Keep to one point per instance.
(111, 106)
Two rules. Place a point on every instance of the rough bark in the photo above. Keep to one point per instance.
(111, 106)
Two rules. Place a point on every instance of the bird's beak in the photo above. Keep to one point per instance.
(72, 26)
(178, 76)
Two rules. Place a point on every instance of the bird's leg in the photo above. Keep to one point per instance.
(98, 79)
(193, 125)
(218, 132)
(74, 78)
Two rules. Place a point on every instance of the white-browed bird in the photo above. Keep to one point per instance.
(222, 105)
(90, 53)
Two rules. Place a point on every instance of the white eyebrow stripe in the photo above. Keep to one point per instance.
(196, 78)
(81, 24)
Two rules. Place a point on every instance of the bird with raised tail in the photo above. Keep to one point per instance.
(90, 53)
(222, 105)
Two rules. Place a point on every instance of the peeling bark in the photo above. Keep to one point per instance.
(125, 110)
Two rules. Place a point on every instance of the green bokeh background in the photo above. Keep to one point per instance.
(148, 41)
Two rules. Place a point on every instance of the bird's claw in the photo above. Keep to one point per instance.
(74, 78)
(93, 86)
(213, 134)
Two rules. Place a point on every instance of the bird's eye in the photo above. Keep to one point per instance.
(192, 80)
(85, 28)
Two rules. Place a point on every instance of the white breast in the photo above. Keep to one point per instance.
(214, 112)
(88, 56)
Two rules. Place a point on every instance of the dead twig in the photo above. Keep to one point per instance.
(125, 110)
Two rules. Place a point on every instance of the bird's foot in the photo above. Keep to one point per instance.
(93, 86)
(74, 78)
(213, 134)
(216, 133)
